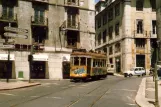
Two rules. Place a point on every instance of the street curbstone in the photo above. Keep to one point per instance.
(140, 97)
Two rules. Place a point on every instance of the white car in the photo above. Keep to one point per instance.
(135, 71)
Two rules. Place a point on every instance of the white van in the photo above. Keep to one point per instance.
(135, 71)
(110, 69)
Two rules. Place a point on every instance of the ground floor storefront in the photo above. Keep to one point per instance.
(44, 65)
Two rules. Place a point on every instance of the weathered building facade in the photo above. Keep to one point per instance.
(54, 28)
(126, 29)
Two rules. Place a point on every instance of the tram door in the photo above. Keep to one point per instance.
(88, 65)
(4, 69)
(66, 70)
(38, 70)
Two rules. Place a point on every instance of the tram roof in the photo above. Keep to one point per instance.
(88, 54)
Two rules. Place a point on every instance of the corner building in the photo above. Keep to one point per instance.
(55, 27)
(126, 30)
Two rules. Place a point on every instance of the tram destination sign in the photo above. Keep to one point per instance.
(14, 35)
(7, 46)
(17, 30)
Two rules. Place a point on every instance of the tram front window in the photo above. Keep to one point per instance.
(76, 60)
(83, 61)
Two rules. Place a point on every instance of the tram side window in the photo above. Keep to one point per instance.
(71, 60)
(94, 62)
(76, 60)
(83, 61)
(100, 63)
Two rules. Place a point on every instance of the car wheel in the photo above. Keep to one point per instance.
(130, 75)
(125, 75)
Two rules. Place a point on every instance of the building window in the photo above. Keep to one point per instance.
(111, 61)
(117, 29)
(154, 27)
(99, 39)
(139, 26)
(39, 13)
(104, 36)
(110, 32)
(140, 43)
(110, 51)
(110, 14)
(72, 39)
(139, 5)
(104, 19)
(117, 9)
(99, 23)
(153, 5)
(73, 1)
(71, 18)
(8, 9)
(105, 50)
(117, 47)
(39, 16)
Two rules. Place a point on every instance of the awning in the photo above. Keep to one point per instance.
(5, 57)
(40, 57)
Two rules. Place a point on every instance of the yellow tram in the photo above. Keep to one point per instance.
(86, 65)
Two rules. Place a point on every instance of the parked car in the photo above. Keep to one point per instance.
(135, 71)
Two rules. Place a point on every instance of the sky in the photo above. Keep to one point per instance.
(96, 1)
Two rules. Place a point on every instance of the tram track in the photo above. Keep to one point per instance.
(76, 101)
(63, 89)
(96, 99)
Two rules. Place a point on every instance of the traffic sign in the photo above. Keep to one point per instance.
(17, 30)
(7, 46)
(14, 35)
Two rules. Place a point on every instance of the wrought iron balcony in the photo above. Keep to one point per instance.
(42, 21)
(74, 3)
(45, 1)
(8, 17)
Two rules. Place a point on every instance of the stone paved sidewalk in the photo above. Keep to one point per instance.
(16, 85)
(146, 94)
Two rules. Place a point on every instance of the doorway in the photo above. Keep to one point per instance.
(66, 70)
(4, 69)
(38, 70)
(140, 61)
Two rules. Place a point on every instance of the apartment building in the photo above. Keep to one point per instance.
(53, 28)
(126, 30)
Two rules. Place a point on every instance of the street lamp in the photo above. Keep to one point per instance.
(117, 67)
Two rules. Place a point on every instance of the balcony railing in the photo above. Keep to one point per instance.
(11, 17)
(45, 1)
(72, 3)
(39, 20)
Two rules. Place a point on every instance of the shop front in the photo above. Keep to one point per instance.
(6, 67)
(39, 67)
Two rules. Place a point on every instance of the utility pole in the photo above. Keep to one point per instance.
(8, 61)
(158, 49)
(30, 59)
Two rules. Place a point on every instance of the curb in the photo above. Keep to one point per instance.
(25, 86)
(140, 99)
(119, 75)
